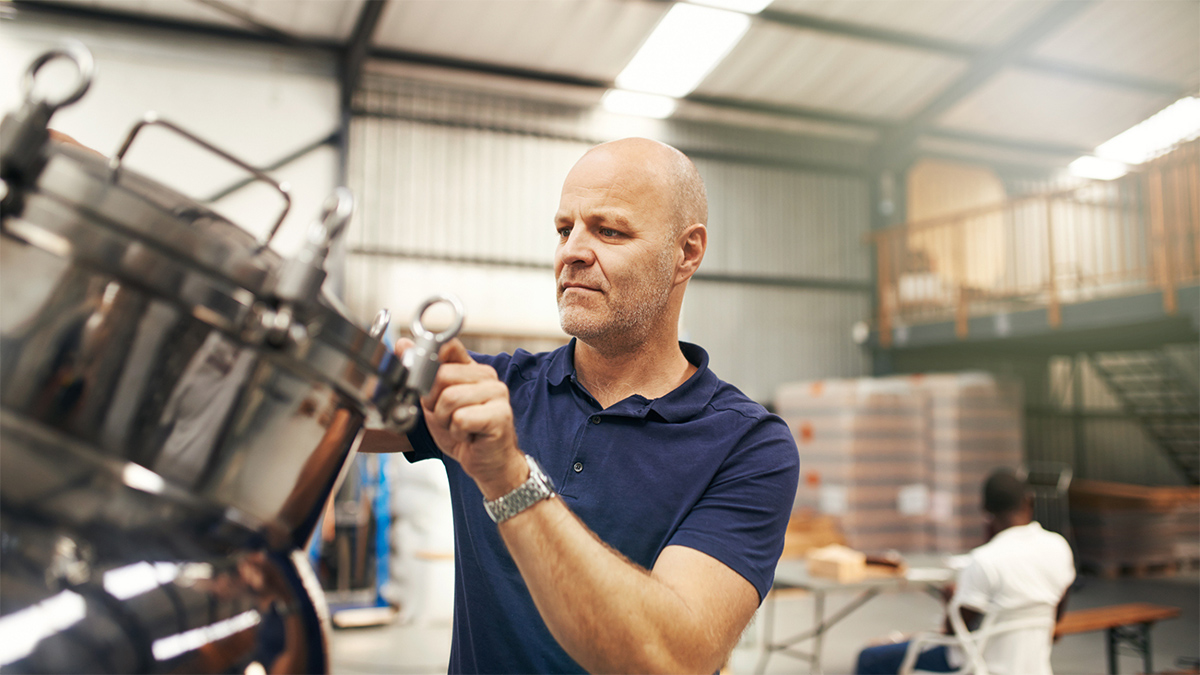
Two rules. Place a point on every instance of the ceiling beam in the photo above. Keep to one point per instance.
(1039, 147)
(961, 50)
(258, 25)
(898, 140)
(355, 54)
(135, 20)
(878, 124)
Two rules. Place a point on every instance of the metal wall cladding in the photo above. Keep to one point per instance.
(769, 221)
(982, 23)
(538, 34)
(442, 191)
(759, 337)
(782, 64)
(446, 175)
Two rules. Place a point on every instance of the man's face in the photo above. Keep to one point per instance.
(615, 260)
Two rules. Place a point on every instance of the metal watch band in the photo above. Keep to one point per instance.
(536, 488)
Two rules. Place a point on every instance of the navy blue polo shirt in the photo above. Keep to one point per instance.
(703, 467)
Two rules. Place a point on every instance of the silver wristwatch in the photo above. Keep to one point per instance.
(535, 489)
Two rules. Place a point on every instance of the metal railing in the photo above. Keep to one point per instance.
(1135, 234)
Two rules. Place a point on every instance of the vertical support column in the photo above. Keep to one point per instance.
(1111, 636)
(1193, 192)
(1077, 415)
(1185, 269)
(1147, 652)
(883, 254)
(1053, 311)
(1156, 202)
(961, 301)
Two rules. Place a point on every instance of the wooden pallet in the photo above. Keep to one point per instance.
(1138, 570)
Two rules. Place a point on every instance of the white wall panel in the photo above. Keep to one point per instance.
(258, 103)
(780, 222)
(759, 337)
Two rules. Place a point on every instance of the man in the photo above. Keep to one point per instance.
(1022, 571)
(672, 490)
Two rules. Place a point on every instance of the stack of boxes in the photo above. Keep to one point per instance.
(862, 448)
(975, 427)
(898, 462)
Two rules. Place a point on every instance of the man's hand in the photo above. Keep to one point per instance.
(470, 418)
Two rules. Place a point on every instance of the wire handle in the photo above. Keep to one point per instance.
(152, 119)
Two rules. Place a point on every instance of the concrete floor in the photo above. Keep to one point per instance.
(425, 648)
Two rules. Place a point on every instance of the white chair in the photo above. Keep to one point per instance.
(972, 643)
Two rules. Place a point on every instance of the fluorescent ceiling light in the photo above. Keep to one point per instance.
(683, 49)
(636, 103)
(1097, 168)
(1178, 122)
(745, 6)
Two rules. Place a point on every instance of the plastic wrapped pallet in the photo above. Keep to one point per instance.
(862, 453)
(975, 426)
(1120, 526)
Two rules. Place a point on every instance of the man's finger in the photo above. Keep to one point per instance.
(455, 352)
(402, 345)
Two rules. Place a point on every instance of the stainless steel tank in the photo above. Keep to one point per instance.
(178, 402)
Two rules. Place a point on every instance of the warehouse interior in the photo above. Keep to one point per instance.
(935, 248)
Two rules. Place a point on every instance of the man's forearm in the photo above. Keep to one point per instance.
(608, 613)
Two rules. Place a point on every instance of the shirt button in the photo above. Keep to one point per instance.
(595, 419)
(578, 467)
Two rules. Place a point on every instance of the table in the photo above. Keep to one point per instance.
(927, 574)
(1127, 625)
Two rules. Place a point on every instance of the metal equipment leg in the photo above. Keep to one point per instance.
(1137, 638)
(819, 621)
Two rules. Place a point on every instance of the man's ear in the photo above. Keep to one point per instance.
(692, 243)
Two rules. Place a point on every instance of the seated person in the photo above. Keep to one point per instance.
(1022, 570)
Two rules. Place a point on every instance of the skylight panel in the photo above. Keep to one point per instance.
(683, 49)
(1175, 124)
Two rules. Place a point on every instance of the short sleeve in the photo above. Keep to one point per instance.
(974, 588)
(742, 516)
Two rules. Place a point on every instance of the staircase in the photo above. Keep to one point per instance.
(1164, 400)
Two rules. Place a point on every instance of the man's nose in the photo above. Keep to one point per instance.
(577, 248)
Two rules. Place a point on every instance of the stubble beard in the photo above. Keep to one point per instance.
(631, 318)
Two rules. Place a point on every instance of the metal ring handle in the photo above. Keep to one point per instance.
(418, 328)
(336, 212)
(380, 324)
(76, 53)
(152, 119)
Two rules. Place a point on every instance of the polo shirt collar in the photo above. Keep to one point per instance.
(685, 402)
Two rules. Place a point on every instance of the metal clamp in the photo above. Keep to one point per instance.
(421, 360)
(152, 119)
(419, 364)
(24, 133)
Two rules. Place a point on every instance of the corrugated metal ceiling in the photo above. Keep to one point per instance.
(868, 64)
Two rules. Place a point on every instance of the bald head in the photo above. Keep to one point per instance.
(675, 173)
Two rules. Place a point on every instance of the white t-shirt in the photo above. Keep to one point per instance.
(1024, 571)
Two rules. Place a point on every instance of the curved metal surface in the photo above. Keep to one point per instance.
(104, 571)
(115, 336)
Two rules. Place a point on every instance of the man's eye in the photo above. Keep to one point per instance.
(564, 232)
(609, 232)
